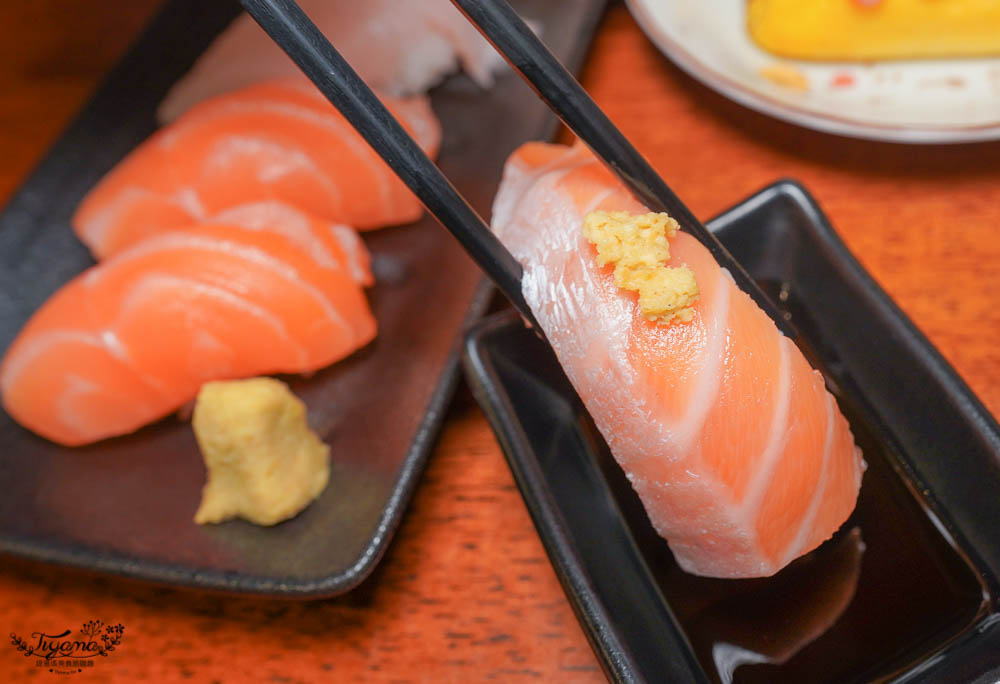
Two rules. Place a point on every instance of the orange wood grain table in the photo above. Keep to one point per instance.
(466, 591)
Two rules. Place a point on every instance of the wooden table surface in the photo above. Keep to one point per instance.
(466, 591)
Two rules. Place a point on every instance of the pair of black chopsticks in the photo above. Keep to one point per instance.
(292, 30)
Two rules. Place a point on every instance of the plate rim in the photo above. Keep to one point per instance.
(825, 123)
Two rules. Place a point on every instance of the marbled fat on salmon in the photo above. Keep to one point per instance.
(739, 454)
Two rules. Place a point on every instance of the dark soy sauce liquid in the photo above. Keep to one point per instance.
(890, 589)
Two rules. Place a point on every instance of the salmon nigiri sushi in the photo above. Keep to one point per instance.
(279, 141)
(133, 338)
(738, 452)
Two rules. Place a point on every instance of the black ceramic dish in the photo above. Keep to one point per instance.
(907, 590)
(125, 506)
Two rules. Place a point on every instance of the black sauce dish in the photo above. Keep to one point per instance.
(906, 591)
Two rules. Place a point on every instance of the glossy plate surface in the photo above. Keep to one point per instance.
(126, 505)
(912, 101)
(906, 591)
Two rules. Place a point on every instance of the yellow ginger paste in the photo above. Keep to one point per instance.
(638, 246)
(264, 463)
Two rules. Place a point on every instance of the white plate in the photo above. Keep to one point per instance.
(914, 101)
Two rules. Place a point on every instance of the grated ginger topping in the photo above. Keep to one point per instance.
(638, 246)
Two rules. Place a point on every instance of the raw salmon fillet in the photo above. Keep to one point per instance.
(399, 48)
(738, 452)
(278, 141)
(132, 339)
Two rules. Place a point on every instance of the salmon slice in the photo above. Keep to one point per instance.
(399, 48)
(331, 245)
(132, 339)
(739, 454)
(279, 141)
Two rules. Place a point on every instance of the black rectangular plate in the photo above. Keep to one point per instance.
(125, 506)
(918, 603)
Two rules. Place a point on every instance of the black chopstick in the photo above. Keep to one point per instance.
(512, 38)
(293, 31)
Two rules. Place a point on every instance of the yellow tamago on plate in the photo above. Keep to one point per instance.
(875, 29)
